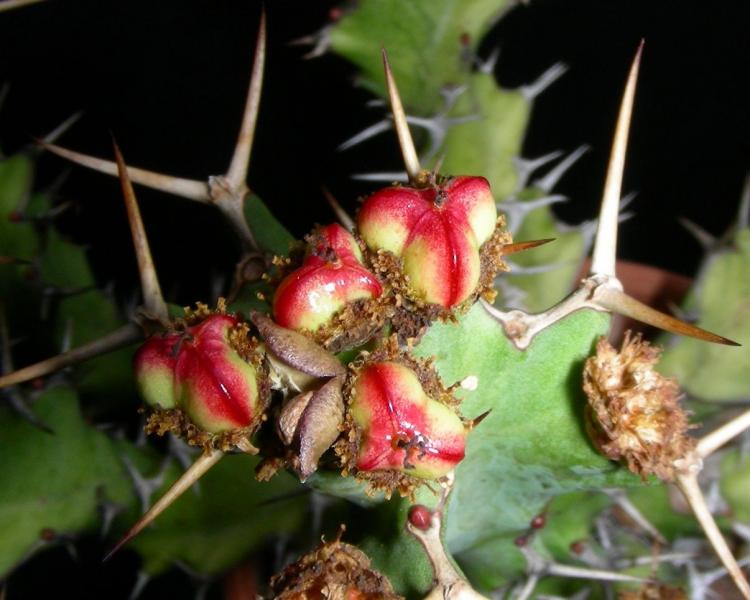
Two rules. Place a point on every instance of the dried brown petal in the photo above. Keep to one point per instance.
(633, 412)
(335, 571)
(320, 425)
(296, 350)
(290, 415)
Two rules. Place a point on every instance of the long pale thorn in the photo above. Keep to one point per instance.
(114, 341)
(605, 247)
(408, 150)
(711, 442)
(237, 172)
(619, 302)
(153, 300)
(199, 468)
(343, 217)
(185, 188)
(13, 4)
(688, 484)
(62, 127)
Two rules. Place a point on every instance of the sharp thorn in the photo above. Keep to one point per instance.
(365, 134)
(688, 485)
(123, 336)
(743, 216)
(619, 302)
(185, 188)
(62, 128)
(199, 468)
(545, 80)
(528, 587)
(526, 166)
(711, 442)
(551, 179)
(626, 505)
(152, 297)
(141, 581)
(338, 210)
(705, 239)
(408, 150)
(22, 409)
(605, 246)
(521, 246)
(487, 67)
(382, 176)
(237, 172)
(13, 4)
(597, 574)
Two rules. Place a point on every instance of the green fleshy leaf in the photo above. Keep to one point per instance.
(53, 480)
(232, 515)
(487, 144)
(270, 234)
(89, 314)
(530, 448)
(720, 300)
(424, 43)
(16, 239)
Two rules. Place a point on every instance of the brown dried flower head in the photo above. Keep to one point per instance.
(334, 571)
(634, 412)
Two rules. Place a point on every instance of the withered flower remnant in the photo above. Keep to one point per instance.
(634, 413)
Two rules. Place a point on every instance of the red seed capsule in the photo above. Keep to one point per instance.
(199, 372)
(538, 522)
(437, 231)
(330, 277)
(420, 517)
(401, 428)
(521, 541)
(577, 547)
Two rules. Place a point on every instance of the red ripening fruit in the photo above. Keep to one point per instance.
(199, 372)
(401, 427)
(437, 231)
(332, 275)
(420, 517)
(538, 522)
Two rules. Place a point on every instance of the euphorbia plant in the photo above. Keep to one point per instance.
(392, 411)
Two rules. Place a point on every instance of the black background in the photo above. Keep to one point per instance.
(169, 78)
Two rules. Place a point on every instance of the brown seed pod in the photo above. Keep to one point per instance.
(334, 571)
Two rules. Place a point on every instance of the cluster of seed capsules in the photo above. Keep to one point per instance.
(418, 253)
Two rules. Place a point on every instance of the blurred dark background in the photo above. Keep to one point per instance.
(169, 78)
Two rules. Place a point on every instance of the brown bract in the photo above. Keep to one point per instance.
(335, 571)
(633, 413)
